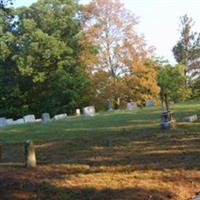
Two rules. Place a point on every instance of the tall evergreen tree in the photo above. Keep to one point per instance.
(187, 49)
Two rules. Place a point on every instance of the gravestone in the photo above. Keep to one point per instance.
(38, 120)
(29, 118)
(78, 112)
(89, 111)
(46, 117)
(19, 121)
(167, 120)
(108, 105)
(60, 116)
(149, 103)
(191, 118)
(30, 157)
(131, 106)
(9, 121)
(3, 122)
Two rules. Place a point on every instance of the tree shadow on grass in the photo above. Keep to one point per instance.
(18, 190)
(140, 151)
(145, 151)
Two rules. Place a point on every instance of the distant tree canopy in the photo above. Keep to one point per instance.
(39, 60)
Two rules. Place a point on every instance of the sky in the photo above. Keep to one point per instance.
(158, 20)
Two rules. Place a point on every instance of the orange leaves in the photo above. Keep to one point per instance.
(118, 66)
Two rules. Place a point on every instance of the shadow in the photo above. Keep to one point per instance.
(13, 189)
(139, 151)
(142, 161)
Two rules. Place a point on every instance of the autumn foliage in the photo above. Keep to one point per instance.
(116, 57)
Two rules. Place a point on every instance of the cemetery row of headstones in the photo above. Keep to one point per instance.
(45, 117)
(133, 105)
(130, 105)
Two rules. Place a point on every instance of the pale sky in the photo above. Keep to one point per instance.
(159, 20)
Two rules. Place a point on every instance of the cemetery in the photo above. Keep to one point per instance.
(99, 100)
(124, 142)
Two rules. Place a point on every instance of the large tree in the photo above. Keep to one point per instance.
(40, 60)
(109, 33)
(187, 49)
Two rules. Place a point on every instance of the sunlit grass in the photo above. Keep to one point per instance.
(112, 156)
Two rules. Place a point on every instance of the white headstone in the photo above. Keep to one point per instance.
(29, 118)
(78, 112)
(131, 106)
(191, 118)
(89, 111)
(9, 121)
(19, 121)
(3, 122)
(45, 117)
(60, 116)
(149, 103)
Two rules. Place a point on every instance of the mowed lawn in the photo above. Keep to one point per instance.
(112, 156)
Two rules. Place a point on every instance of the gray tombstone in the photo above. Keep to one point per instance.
(191, 118)
(108, 105)
(89, 111)
(149, 103)
(29, 118)
(3, 122)
(19, 121)
(60, 116)
(131, 106)
(9, 121)
(78, 112)
(46, 117)
(30, 156)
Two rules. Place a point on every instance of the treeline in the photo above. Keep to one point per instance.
(57, 55)
(40, 68)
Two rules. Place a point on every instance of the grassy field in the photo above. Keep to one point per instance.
(112, 156)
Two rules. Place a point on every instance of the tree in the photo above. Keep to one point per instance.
(109, 33)
(141, 82)
(171, 81)
(40, 57)
(187, 49)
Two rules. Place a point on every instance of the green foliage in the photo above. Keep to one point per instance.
(39, 60)
(187, 49)
(172, 82)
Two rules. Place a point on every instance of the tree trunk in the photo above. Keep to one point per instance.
(0, 152)
(116, 103)
(166, 102)
(162, 99)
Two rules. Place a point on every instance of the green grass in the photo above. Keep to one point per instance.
(145, 120)
(120, 155)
